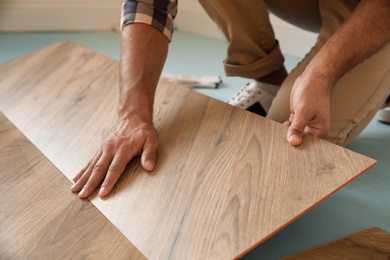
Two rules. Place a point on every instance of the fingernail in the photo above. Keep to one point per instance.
(73, 186)
(295, 139)
(102, 191)
(149, 164)
(82, 193)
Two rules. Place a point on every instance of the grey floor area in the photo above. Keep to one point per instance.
(361, 204)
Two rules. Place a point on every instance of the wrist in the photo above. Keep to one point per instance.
(126, 112)
(320, 70)
(130, 111)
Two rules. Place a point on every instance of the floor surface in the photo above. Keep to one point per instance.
(361, 204)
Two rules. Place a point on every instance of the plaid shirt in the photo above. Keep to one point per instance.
(157, 13)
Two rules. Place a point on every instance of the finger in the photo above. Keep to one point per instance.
(98, 173)
(115, 170)
(81, 172)
(319, 129)
(86, 167)
(79, 184)
(296, 130)
(287, 123)
(82, 177)
(148, 157)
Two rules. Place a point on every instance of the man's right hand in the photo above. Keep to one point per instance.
(131, 136)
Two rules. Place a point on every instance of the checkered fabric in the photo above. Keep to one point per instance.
(157, 13)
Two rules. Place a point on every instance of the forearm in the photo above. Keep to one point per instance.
(366, 31)
(144, 50)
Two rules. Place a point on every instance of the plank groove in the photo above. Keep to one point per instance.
(225, 179)
(39, 218)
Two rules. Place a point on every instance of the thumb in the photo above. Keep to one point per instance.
(148, 157)
(296, 130)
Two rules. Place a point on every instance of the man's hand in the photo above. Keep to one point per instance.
(310, 108)
(144, 50)
(366, 31)
(130, 137)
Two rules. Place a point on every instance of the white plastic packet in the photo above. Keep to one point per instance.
(192, 81)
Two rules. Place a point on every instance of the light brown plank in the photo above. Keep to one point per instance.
(39, 218)
(372, 243)
(225, 181)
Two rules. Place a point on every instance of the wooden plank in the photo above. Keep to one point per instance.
(371, 243)
(225, 180)
(39, 218)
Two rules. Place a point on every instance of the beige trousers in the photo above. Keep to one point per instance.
(253, 52)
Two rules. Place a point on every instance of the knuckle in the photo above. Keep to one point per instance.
(115, 168)
(99, 167)
(90, 168)
(297, 129)
(154, 141)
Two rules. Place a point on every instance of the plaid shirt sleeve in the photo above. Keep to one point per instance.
(157, 13)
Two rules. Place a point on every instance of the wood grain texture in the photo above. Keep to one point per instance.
(372, 243)
(225, 179)
(39, 218)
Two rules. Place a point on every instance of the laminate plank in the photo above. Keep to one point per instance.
(372, 243)
(39, 218)
(225, 179)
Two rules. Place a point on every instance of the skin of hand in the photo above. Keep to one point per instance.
(365, 31)
(311, 91)
(133, 133)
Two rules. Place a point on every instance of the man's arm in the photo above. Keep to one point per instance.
(366, 31)
(144, 50)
